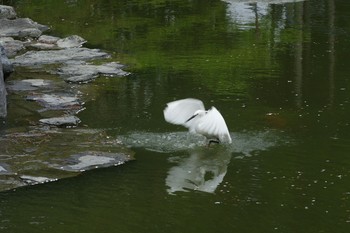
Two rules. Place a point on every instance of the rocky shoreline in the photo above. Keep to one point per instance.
(22, 40)
(24, 48)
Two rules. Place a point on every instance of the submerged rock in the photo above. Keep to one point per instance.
(95, 159)
(55, 101)
(37, 82)
(83, 72)
(61, 121)
(46, 154)
(28, 84)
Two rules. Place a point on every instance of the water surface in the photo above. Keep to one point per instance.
(277, 72)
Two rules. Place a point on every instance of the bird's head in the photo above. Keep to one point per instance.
(197, 113)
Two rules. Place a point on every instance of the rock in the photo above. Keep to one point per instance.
(3, 94)
(94, 159)
(11, 46)
(28, 84)
(39, 58)
(42, 46)
(61, 121)
(7, 66)
(21, 27)
(37, 82)
(51, 42)
(4, 169)
(7, 12)
(45, 42)
(48, 39)
(23, 158)
(32, 180)
(45, 154)
(83, 72)
(71, 42)
(56, 101)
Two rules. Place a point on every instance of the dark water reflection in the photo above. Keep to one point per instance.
(279, 75)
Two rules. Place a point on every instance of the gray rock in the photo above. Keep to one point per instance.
(27, 161)
(61, 121)
(42, 46)
(37, 82)
(21, 27)
(51, 42)
(71, 42)
(48, 39)
(33, 180)
(56, 101)
(39, 58)
(82, 72)
(11, 46)
(94, 159)
(7, 12)
(3, 94)
(28, 84)
(7, 66)
(4, 169)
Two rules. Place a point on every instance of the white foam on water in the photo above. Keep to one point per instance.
(246, 143)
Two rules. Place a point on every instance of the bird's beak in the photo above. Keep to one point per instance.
(191, 118)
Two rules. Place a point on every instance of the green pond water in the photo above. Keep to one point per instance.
(278, 73)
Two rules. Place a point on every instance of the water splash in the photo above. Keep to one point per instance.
(163, 142)
(250, 143)
(246, 143)
(203, 169)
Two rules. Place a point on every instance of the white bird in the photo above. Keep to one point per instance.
(192, 114)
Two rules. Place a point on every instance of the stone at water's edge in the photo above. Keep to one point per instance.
(61, 121)
(94, 159)
(57, 101)
(51, 146)
(49, 154)
(7, 66)
(71, 42)
(21, 27)
(7, 12)
(40, 58)
(31, 180)
(11, 46)
(3, 93)
(83, 72)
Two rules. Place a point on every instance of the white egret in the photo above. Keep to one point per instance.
(192, 114)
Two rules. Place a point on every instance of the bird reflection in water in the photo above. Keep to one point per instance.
(203, 170)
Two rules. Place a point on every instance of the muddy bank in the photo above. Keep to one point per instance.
(46, 72)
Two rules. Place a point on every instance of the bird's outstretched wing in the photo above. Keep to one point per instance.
(213, 124)
(179, 111)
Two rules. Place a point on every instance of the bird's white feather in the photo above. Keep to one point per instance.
(179, 111)
(208, 123)
(212, 124)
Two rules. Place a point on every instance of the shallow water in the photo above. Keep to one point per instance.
(278, 74)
